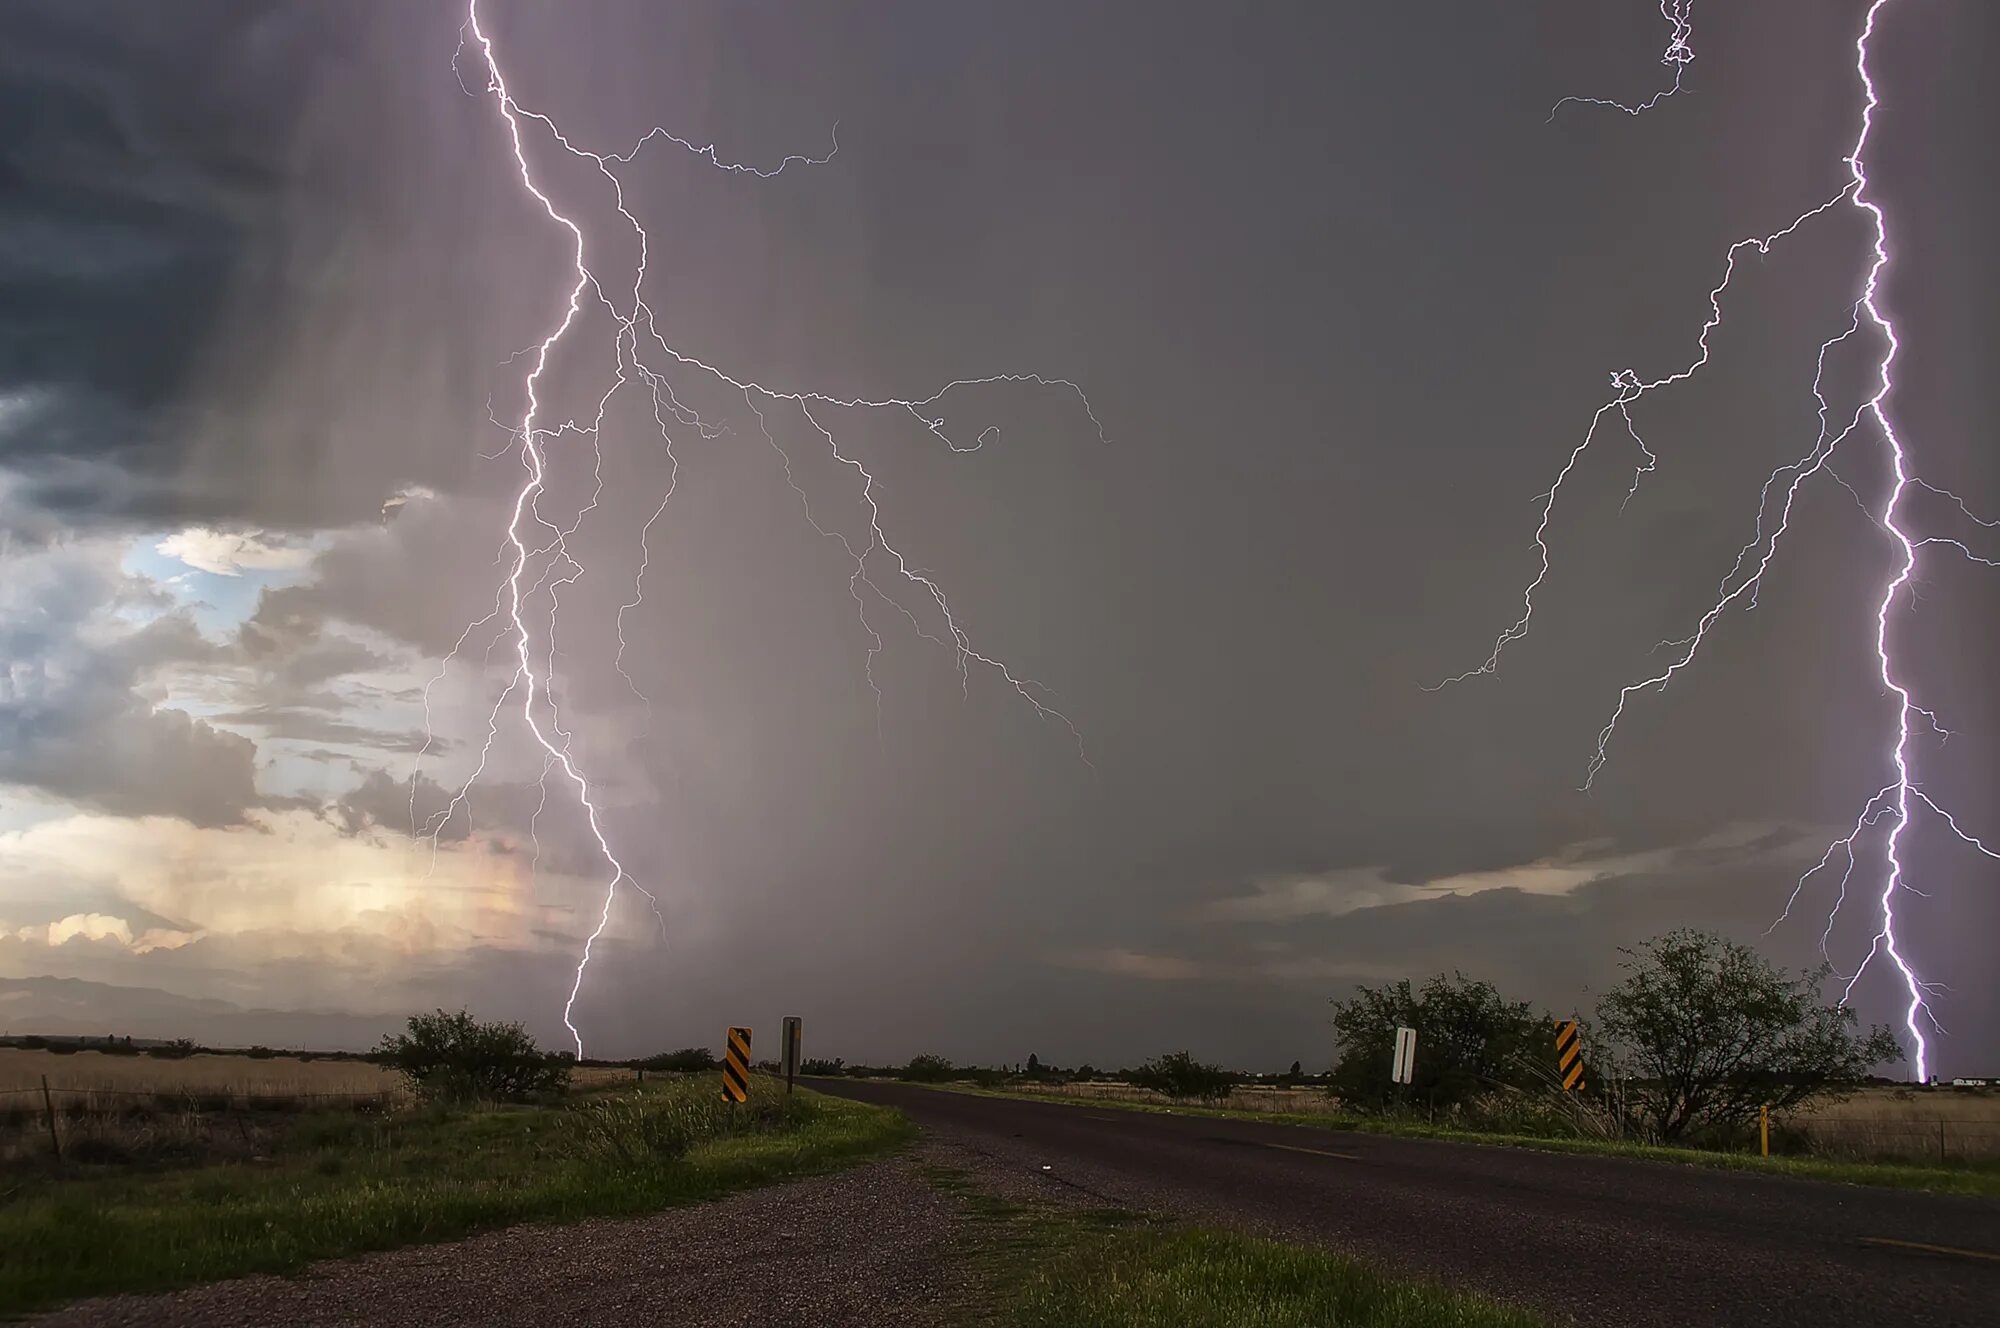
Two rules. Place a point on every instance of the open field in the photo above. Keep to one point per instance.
(325, 1184)
(1942, 1125)
(202, 1075)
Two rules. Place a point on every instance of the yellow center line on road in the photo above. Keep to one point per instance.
(1987, 1255)
(1294, 1148)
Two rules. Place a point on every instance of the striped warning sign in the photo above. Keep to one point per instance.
(736, 1067)
(1569, 1055)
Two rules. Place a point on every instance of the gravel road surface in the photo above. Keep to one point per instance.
(875, 1245)
(1600, 1241)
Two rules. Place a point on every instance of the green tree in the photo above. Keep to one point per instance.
(1182, 1077)
(1713, 1031)
(1470, 1041)
(927, 1069)
(456, 1058)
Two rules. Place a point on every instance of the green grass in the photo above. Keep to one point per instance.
(344, 1185)
(1197, 1278)
(1977, 1178)
(1107, 1268)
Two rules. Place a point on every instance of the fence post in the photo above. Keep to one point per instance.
(49, 1106)
(1764, 1129)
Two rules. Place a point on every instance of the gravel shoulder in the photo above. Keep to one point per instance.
(872, 1245)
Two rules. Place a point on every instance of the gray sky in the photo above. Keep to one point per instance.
(1340, 294)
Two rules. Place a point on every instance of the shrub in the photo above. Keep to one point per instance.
(177, 1050)
(688, 1060)
(927, 1069)
(1470, 1042)
(456, 1058)
(822, 1067)
(260, 1053)
(1181, 1077)
(1716, 1031)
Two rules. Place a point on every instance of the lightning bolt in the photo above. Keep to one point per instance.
(1677, 57)
(1894, 804)
(641, 353)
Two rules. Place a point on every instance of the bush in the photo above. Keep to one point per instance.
(1715, 1031)
(1182, 1077)
(260, 1053)
(636, 1131)
(824, 1068)
(1470, 1042)
(688, 1060)
(177, 1050)
(455, 1058)
(927, 1069)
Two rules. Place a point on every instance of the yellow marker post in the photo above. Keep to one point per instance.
(736, 1067)
(1569, 1055)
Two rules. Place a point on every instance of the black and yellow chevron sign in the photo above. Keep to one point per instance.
(736, 1067)
(1569, 1055)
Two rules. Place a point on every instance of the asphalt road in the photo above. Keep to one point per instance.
(1595, 1240)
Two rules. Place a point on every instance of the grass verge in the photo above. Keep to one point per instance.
(1106, 1268)
(342, 1185)
(1975, 1179)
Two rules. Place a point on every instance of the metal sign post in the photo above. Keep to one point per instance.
(1402, 1069)
(794, 1036)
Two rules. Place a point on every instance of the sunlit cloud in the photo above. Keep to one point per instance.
(231, 553)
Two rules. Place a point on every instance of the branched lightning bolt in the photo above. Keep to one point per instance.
(1678, 55)
(1893, 803)
(642, 354)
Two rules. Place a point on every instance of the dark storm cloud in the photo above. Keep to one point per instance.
(183, 188)
(130, 206)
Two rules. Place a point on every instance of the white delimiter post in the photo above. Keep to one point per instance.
(1402, 1067)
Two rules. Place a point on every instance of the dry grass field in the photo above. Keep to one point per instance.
(202, 1076)
(207, 1105)
(1922, 1125)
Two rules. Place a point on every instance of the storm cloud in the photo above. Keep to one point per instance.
(1341, 296)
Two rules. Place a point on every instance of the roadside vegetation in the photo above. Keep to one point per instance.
(1047, 1267)
(442, 1163)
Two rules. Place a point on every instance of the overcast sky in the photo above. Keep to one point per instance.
(1342, 297)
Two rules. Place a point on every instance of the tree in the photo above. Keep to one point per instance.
(1470, 1041)
(1715, 1031)
(835, 1066)
(688, 1060)
(1295, 1072)
(1034, 1064)
(1180, 1076)
(456, 1058)
(927, 1069)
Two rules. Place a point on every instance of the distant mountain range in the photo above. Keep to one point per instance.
(73, 1007)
